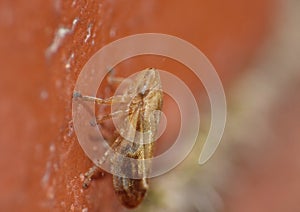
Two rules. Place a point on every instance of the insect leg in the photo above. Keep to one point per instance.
(115, 114)
(91, 172)
(108, 101)
(88, 176)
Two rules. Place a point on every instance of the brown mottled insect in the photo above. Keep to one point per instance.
(139, 110)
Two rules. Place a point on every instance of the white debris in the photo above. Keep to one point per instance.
(59, 37)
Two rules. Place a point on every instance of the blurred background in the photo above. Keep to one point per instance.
(254, 46)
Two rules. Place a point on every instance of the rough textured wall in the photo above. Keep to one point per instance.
(44, 45)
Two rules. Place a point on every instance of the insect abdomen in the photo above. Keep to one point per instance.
(130, 191)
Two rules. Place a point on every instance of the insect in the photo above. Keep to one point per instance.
(141, 100)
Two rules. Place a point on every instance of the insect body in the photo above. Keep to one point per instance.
(137, 111)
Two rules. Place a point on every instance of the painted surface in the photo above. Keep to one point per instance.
(44, 45)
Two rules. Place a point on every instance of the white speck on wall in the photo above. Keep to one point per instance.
(46, 176)
(75, 21)
(72, 208)
(70, 59)
(52, 148)
(113, 32)
(100, 6)
(81, 176)
(89, 32)
(70, 130)
(63, 203)
(44, 95)
(85, 210)
(59, 37)
(93, 38)
(50, 193)
(74, 3)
